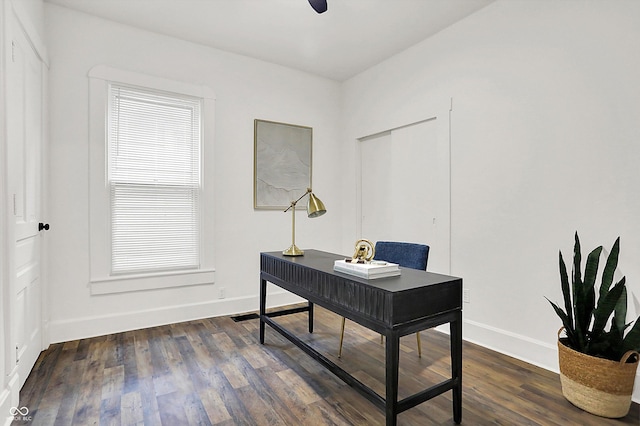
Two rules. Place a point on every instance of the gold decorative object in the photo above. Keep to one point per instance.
(365, 251)
(315, 208)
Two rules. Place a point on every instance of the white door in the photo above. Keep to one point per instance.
(404, 188)
(24, 146)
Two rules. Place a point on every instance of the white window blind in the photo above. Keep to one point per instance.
(153, 173)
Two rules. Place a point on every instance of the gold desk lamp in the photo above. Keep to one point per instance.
(315, 208)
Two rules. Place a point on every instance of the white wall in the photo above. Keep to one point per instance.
(545, 142)
(245, 89)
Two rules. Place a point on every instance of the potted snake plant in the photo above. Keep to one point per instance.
(598, 354)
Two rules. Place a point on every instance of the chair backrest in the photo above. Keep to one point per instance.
(408, 255)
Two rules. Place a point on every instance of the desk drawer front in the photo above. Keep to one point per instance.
(332, 291)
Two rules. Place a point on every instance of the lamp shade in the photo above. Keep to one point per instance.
(315, 207)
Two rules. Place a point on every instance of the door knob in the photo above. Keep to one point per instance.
(42, 226)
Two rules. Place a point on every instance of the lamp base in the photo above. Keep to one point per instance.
(293, 251)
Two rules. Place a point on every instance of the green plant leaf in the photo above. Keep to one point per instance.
(601, 347)
(607, 345)
(566, 292)
(590, 273)
(606, 306)
(610, 268)
(581, 316)
(566, 322)
(620, 312)
(577, 260)
(631, 341)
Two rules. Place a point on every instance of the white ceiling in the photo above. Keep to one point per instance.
(351, 36)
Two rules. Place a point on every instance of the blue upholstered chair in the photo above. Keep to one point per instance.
(407, 255)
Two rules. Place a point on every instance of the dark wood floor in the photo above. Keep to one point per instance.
(214, 371)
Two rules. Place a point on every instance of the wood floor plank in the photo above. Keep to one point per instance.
(261, 412)
(302, 390)
(131, 409)
(112, 381)
(150, 411)
(143, 361)
(214, 406)
(172, 409)
(129, 363)
(110, 411)
(214, 371)
(91, 382)
(287, 395)
(232, 403)
(234, 375)
(192, 368)
(195, 411)
(69, 385)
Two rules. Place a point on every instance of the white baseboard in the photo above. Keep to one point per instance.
(85, 327)
(524, 348)
(512, 344)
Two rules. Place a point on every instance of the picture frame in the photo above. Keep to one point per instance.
(282, 163)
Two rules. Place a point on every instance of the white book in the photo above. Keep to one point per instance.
(367, 270)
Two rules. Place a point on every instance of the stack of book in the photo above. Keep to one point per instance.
(369, 271)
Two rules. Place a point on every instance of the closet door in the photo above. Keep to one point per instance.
(402, 194)
(24, 145)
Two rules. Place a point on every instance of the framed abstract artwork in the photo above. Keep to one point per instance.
(282, 163)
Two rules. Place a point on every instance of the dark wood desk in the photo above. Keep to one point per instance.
(393, 307)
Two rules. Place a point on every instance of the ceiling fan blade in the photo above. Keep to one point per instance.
(319, 5)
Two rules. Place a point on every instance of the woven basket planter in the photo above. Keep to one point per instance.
(597, 385)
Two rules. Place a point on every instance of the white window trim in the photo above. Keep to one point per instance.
(101, 280)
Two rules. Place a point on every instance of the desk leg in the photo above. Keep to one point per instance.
(456, 365)
(310, 317)
(392, 361)
(263, 307)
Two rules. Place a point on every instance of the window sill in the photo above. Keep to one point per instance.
(129, 283)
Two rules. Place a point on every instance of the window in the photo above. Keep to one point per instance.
(154, 180)
(150, 182)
